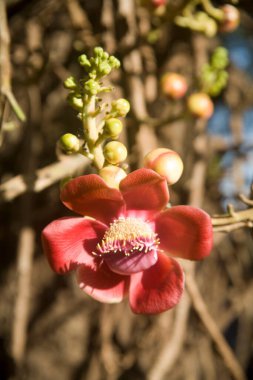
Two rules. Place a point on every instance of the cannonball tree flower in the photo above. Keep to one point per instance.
(126, 240)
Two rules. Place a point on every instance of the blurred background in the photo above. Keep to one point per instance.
(49, 329)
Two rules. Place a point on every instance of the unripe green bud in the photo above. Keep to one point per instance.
(115, 152)
(121, 107)
(104, 68)
(219, 58)
(112, 175)
(223, 77)
(69, 143)
(70, 83)
(113, 127)
(165, 162)
(75, 101)
(215, 90)
(208, 75)
(83, 61)
(98, 51)
(114, 62)
(105, 55)
(92, 87)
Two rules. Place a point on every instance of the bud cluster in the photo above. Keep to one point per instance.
(100, 121)
(99, 65)
(209, 20)
(198, 21)
(214, 76)
(96, 67)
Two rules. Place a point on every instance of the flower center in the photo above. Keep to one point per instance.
(128, 235)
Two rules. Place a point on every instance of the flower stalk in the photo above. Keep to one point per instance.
(90, 131)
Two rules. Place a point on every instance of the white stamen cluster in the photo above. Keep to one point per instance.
(127, 235)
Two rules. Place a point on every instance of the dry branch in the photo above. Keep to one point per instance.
(43, 178)
(21, 312)
(172, 348)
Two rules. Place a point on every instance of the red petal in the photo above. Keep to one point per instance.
(144, 189)
(100, 283)
(158, 288)
(136, 262)
(186, 232)
(89, 195)
(69, 242)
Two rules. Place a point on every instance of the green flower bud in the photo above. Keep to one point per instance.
(75, 101)
(114, 62)
(83, 61)
(215, 90)
(105, 55)
(120, 107)
(115, 152)
(223, 77)
(98, 51)
(69, 143)
(209, 76)
(220, 58)
(104, 68)
(92, 87)
(113, 127)
(70, 83)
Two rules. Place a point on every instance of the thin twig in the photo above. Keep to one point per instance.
(5, 65)
(224, 349)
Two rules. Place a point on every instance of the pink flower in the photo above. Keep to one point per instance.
(127, 241)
